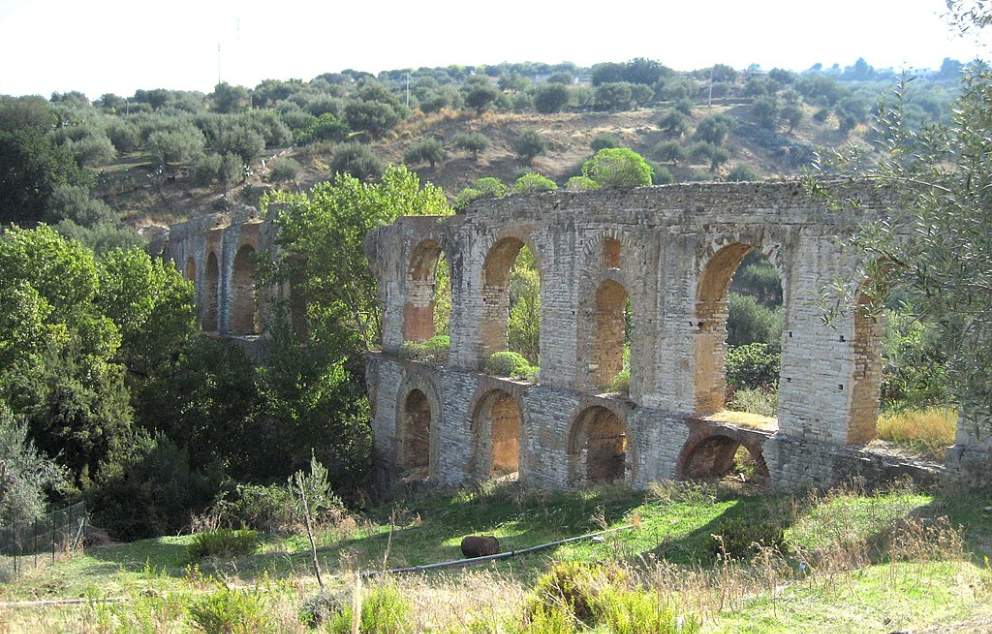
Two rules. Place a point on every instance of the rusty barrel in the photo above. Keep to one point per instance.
(479, 546)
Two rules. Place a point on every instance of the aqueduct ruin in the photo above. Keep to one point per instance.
(671, 251)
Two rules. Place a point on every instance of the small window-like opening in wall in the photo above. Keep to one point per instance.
(611, 253)
(719, 457)
(738, 355)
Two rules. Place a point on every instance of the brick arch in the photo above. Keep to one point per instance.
(418, 312)
(598, 449)
(709, 452)
(211, 293)
(592, 248)
(601, 329)
(497, 428)
(418, 444)
(709, 319)
(494, 286)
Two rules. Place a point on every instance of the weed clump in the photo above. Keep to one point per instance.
(383, 611)
(226, 611)
(223, 542)
(740, 537)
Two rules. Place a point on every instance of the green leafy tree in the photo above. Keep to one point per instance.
(551, 97)
(524, 329)
(614, 96)
(618, 167)
(25, 474)
(60, 373)
(604, 140)
(765, 111)
(373, 117)
(425, 151)
(531, 183)
(474, 142)
(481, 97)
(176, 146)
(674, 124)
(326, 226)
(357, 160)
(31, 165)
(939, 178)
(228, 99)
(713, 128)
(529, 145)
(669, 152)
(793, 115)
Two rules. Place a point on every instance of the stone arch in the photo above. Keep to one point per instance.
(418, 312)
(211, 285)
(190, 272)
(709, 323)
(598, 451)
(710, 453)
(244, 295)
(497, 430)
(606, 245)
(495, 285)
(418, 416)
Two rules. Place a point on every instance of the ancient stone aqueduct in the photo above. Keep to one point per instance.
(671, 251)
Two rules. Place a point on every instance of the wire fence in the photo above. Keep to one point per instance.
(27, 545)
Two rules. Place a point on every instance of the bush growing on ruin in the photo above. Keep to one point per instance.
(581, 184)
(532, 182)
(509, 364)
(618, 167)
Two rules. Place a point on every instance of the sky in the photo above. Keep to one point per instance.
(117, 46)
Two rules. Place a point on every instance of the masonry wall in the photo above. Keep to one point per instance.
(673, 250)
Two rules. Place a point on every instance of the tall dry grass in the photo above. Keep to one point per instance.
(927, 431)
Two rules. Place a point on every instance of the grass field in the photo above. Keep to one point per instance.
(883, 562)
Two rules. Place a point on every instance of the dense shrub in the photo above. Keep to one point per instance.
(531, 183)
(152, 492)
(284, 169)
(575, 586)
(618, 167)
(753, 365)
(581, 184)
(434, 350)
(742, 536)
(474, 142)
(223, 542)
(750, 321)
(742, 173)
(263, 508)
(357, 160)
(509, 364)
(425, 151)
(530, 144)
(605, 140)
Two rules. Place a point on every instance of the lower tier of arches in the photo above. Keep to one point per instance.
(447, 427)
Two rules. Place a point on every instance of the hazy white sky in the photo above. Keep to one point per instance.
(119, 46)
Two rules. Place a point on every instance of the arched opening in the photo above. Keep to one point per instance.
(428, 306)
(191, 270)
(244, 304)
(719, 456)
(511, 296)
(210, 286)
(611, 336)
(597, 448)
(738, 344)
(497, 429)
(416, 436)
